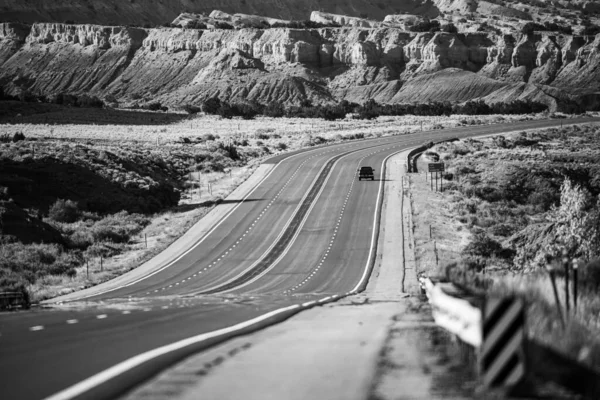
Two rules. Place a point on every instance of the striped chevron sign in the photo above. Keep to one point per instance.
(502, 355)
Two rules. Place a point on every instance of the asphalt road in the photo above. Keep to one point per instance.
(305, 233)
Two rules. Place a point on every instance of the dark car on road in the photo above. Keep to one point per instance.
(366, 173)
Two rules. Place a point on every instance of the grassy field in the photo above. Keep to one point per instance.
(512, 204)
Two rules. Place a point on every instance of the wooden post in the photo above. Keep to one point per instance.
(558, 307)
(566, 268)
(146, 240)
(87, 268)
(575, 282)
(101, 264)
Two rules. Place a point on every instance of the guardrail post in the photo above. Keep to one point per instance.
(502, 361)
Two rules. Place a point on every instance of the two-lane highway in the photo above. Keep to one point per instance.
(306, 231)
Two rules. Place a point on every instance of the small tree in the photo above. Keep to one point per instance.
(64, 211)
(577, 223)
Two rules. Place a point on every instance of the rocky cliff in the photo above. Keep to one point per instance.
(141, 12)
(179, 66)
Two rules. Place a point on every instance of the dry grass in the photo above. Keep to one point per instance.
(292, 131)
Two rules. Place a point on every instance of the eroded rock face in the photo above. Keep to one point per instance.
(175, 65)
(343, 20)
(86, 35)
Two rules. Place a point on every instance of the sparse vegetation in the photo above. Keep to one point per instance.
(527, 198)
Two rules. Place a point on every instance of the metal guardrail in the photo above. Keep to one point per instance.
(12, 300)
(494, 328)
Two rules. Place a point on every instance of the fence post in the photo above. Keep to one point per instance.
(555, 290)
(575, 282)
(565, 261)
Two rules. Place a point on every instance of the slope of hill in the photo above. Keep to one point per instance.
(136, 66)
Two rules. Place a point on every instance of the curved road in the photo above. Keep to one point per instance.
(307, 231)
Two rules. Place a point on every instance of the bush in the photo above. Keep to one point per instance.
(482, 246)
(153, 106)
(426, 26)
(18, 136)
(64, 211)
(211, 106)
(274, 110)
(282, 146)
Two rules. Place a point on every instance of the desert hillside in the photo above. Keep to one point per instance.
(446, 50)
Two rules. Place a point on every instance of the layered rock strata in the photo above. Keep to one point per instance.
(178, 66)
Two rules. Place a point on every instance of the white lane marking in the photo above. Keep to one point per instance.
(87, 384)
(102, 316)
(72, 321)
(194, 245)
(36, 328)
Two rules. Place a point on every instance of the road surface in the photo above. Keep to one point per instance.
(306, 232)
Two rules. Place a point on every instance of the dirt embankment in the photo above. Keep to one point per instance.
(174, 66)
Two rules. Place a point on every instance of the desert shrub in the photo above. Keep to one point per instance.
(246, 110)
(482, 246)
(426, 26)
(118, 228)
(211, 106)
(64, 211)
(208, 136)
(504, 230)
(225, 111)
(282, 146)
(274, 110)
(368, 110)
(89, 101)
(467, 273)
(30, 262)
(153, 106)
(222, 25)
(18, 136)
(196, 25)
(449, 28)
(332, 112)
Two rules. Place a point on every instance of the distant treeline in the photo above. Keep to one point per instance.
(369, 110)
(81, 100)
